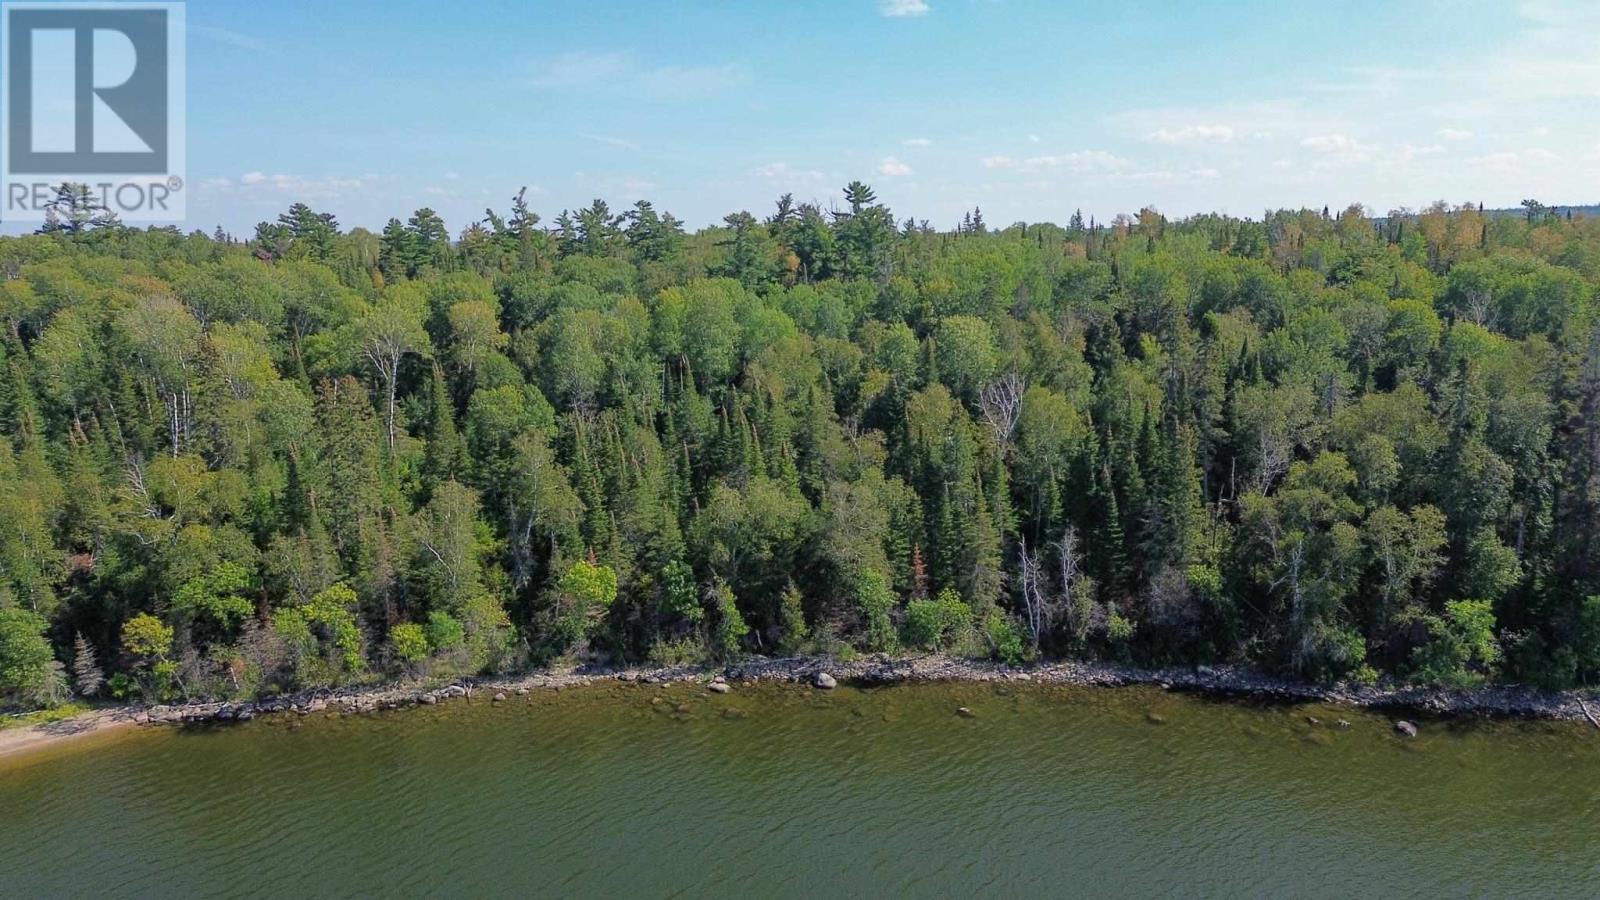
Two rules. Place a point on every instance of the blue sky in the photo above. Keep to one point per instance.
(1029, 109)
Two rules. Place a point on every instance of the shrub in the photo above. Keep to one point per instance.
(410, 643)
(931, 623)
(444, 632)
(1461, 649)
(584, 593)
(147, 637)
(1005, 638)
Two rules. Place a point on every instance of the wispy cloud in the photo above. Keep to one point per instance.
(293, 187)
(1078, 161)
(916, 142)
(1455, 134)
(781, 173)
(1192, 134)
(226, 36)
(611, 141)
(1338, 149)
(1164, 177)
(895, 9)
(621, 72)
(679, 81)
(893, 168)
(1518, 163)
(579, 69)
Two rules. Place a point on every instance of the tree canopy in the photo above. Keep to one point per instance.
(1335, 446)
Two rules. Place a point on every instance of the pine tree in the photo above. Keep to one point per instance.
(445, 457)
(86, 674)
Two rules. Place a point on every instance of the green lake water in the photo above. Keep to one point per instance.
(783, 791)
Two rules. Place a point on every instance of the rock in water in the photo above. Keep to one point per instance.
(1405, 728)
(717, 687)
(965, 713)
(499, 697)
(1155, 718)
(825, 681)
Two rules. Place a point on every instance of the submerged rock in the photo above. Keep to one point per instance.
(1155, 718)
(965, 713)
(1405, 729)
(825, 681)
(717, 687)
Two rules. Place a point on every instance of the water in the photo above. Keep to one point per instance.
(601, 792)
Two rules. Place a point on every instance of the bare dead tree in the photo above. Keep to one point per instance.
(1001, 403)
(1074, 593)
(1035, 601)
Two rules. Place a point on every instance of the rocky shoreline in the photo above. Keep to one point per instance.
(1504, 701)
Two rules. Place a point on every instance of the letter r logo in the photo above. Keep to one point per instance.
(86, 90)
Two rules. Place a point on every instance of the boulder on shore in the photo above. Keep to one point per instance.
(717, 687)
(825, 681)
(1405, 729)
(499, 698)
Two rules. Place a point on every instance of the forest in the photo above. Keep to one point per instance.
(1327, 445)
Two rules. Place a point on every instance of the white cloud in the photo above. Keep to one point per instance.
(1077, 162)
(1331, 143)
(611, 141)
(899, 8)
(579, 69)
(1192, 134)
(893, 167)
(1408, 152)
(1455, 134)
(619, 71)
(452, 176)
(1033, 139)
(226, 36)
(783, 173)
(671, 82)
(1163, 177)
(1338, 149)
(253, 186)
(1520, 163)
(916, 142)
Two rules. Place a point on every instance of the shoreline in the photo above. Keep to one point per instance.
(1234, 682)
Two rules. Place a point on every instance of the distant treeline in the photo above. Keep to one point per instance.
(1324, 444)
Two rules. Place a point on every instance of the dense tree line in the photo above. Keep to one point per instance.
(1336, 446)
